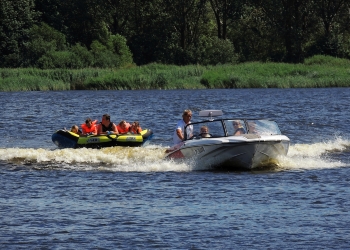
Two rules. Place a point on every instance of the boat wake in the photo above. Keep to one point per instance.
(122, 159)
(322, 155)
(333, 153)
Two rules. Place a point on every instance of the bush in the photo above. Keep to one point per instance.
(43, 39)
(82, 56)
(211, 51)
(57, 59)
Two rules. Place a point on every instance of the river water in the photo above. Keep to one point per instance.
(131, 198)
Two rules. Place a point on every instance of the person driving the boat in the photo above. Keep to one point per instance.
(123, 127)
(179, 134)
(239, 130)
(204, 132)
(106, 126)
(89, 127)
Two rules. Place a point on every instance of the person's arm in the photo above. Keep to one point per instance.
(94, 132)
(99, 129)
(115, 130)
(179, 134)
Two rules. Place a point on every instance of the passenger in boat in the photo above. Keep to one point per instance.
(89, 127)
(123, 127)
(106, 126)
(135, 128)
(75, 130)
(239, 130)
(252, 128)
(178, 135)
(204, 132)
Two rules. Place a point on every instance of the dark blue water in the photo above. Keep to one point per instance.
(131, 198)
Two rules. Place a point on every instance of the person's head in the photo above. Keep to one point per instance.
(187, 115)
(252, 127)
(204, 130)
(122, 123)
(136, 124)
(106, 117)
(74, 129)
(88, 122)
(236, 124)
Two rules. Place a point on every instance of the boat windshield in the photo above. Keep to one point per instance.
(208, 129)
(263, 127)
(232, 127)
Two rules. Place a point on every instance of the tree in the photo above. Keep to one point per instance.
(290, 19)
(186, 17)
(226, 12)
(328, 11)
(43, 39)
(16, 19)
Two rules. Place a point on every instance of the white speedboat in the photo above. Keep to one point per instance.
(231, 144)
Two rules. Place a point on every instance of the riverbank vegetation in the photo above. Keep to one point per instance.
(315, 72)
(163, 44)
(115, 33)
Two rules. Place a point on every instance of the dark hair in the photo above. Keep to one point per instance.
(88, 120)
(107, 117)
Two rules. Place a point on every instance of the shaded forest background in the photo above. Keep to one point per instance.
(75, 34)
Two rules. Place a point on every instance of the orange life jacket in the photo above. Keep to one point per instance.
(136, 131)
(86, 129)
(124, 130)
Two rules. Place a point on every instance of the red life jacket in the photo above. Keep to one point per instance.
(124, 130)
(86, 129)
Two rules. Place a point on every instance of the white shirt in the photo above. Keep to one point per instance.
(181, 125)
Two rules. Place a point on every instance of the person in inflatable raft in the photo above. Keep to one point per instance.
(106, 126)
(123, 127)
(75, 129)
(135, 128)
(89, 127)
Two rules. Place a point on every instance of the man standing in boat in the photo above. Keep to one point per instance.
(106, 126)
(179, 134)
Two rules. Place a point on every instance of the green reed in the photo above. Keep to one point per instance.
(316, 72)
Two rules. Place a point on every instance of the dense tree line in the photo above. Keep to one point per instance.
(116, 33)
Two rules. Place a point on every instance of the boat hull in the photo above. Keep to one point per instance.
(233, 155)
(66, 139)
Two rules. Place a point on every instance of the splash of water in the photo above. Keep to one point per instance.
(315, 155)
(123, 159)
(151, 158)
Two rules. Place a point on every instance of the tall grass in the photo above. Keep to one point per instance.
(152, 76)
(316, 72)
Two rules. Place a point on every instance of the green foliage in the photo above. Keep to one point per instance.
(31, 83)
(327, 61)
(82, 56)
(57, 59)
(317, 72)
(47, 50)
(152, 76)
(16, 18)
(117, 44)
(212, 51)
(114, 53)
(43, 40)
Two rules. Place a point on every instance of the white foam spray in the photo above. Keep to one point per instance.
(151, 158)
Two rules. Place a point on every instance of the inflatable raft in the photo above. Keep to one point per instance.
(67, 139)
